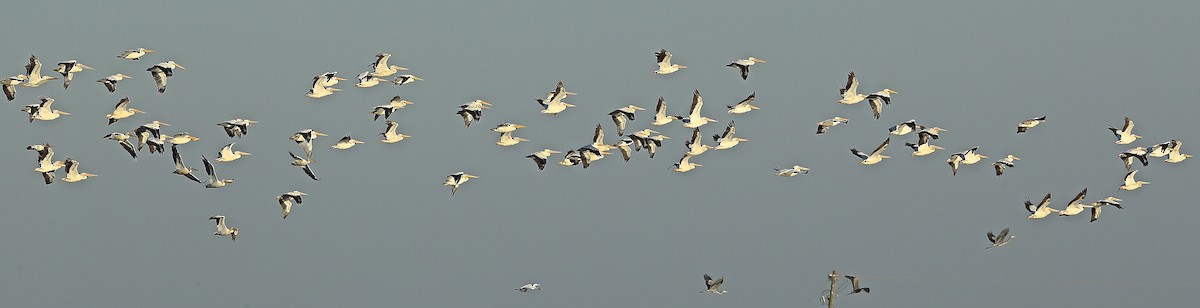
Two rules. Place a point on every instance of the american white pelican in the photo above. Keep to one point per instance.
(387, 110)
(955, 160)
(222, 230)
(47, 165)
(507, 139)
(305, 138)
(303, 163)
(589, 154)
(598, 140)
(727, 140)
(134, 54)
(236, 127)
(743, 106)
(664, 63)
(713, 286)
(540, 157)
(624, 146)
(660, 113)
(1128, 156)
(319, 88)
(213, 181)
(1131, 183)
(972, 156)
(1175, 156)
(44, 151)
(1106, 201)
(380, 67)
(876, 156)
(346, 143)
(1076, 205)
(123, 139)
(227, 154)
(10, 86)
(553, 104)
(878, 99)
(454, 180)
(923, 147)
(934, 132)
(366, 80)
(156, 145)
(1006, 162)
(1024, 126)
(73, 174)
(850, 93)
(405, 79)
(507, 127)
(653, 143)
(328, 79)
(623, 115)
(473, 111)
(180, 169)
(793, 171)
(999, 240)
(695, 145)
(855, 288)
(1042, 209)
(824, 126)
(905, 128)
(33, 73)
(743, 65)
(286, 200)
(162, 71)
(1161, 149)
(1125, 134)
(571, 158)
(68, 69)
(685, 164)
(180, 138)
(694, 119)
(639, 138)
(42, 111)
(530, 286)
(389, 134)
(110, 82)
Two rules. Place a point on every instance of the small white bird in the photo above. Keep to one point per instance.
(213, 181)
(685, 164)
(389, 134)
(366, 80)
(743, 106)
(346, 143)
(162, 71)
(406, 79)
(111, 81)
(303, 163)
(622, 116)
(530, 286)
(232, 233)
(664, 63)
(123, 139)
(876, 156)
(380, 67)
(540, 157)
(743, 65)
(180, 169)
(1131, 183)
(824, 126)
(793, 171)
(999, 240)
(73, 174)
(694, 119)
(850, 93)
(68, 69)
(1076, 205)
(1006, 162)
(454, 180)
(227, 154)
(1125, 134)
(1042, 209)
(134, 54)
(286, 200)
(713, 286)
(1030, 123)
(33, 73)
(727, 140)
(660, 113)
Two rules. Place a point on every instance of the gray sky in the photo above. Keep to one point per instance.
(378, 229)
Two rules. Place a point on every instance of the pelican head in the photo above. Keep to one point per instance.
(757, 60)
(140, 49)
(172, 63)
(233, 232)
(1011, 157)
(889, 91)
(157, 122)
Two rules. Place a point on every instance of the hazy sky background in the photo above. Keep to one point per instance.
(379, 230)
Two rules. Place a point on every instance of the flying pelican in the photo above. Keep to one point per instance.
(387, 110)
(1161, 149)
(381, 68)
(68, 69)
(1030, 123)
(346, 143)
(640, 137)
(878, 99)
(530, 286)
(589, 154)
(1006, 162)
(623, 146)
(303, 164)
(855, 287)
(743, 65)
(305, 138)
(623, 115)
(456, 179)
(664, 63)
(824, 126)
(1076, 205)
(1106, 201)
(473, 111)
(156, 145)
(598, 140)
(43, 150)
(507, 139)
(180, 138)
(47, 166)
(968, 157)
(285, 201)
(876, 156)
(366, 80)
(1128, 156)
(222, 230)
(696, 146)
(727, 140)
(653, 143)
(507, 127)
(236, 127)
(795, 170)
(180, 169)
(73, 174)
(571, 158)
(320, 89)
(553, 104)
(227, 154)
(389, 134)
(1174, 155)
(660, 113)
(713, 286)
(10, 86)
(923, 147)
(905, 128)
(110, 82)
(406, 79)
(1000, 240)
(42, 111)
(934, 132)
(1131, 183)
(743, 106)
(134, 54)
(328, 79)
(161, 72)
(955, 160)
(1125, 134)
(540, 157)
(850, 93)
(1043, 208)
(213, 181)
(123, 139)
(694, 119)
(685, 164)
(33, 73)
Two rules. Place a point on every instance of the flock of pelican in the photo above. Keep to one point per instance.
(149, 135)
